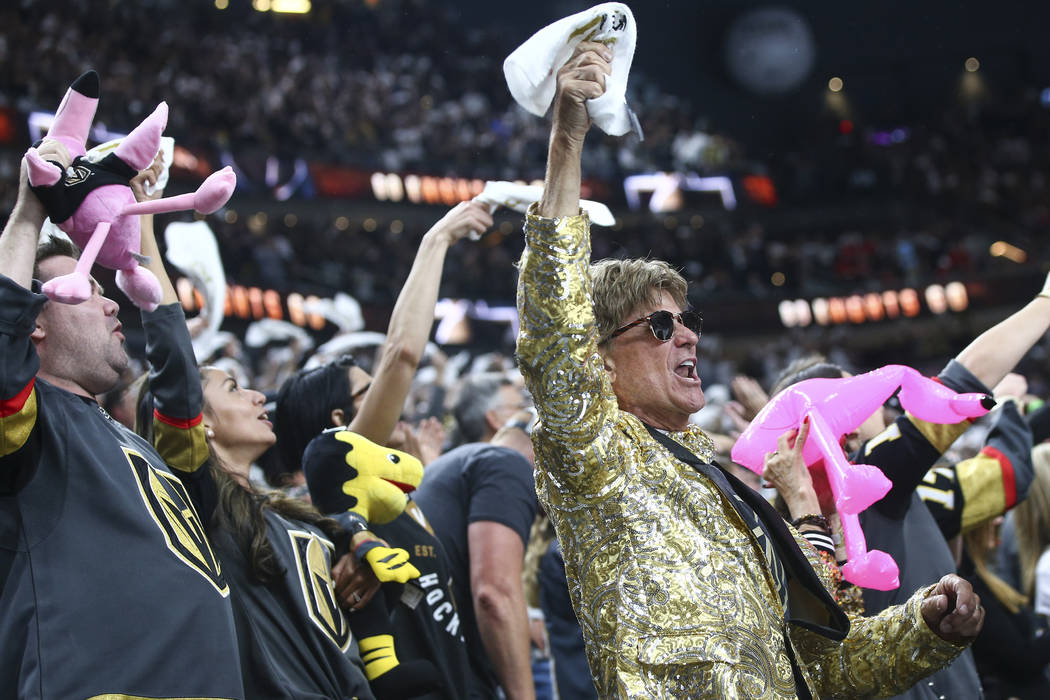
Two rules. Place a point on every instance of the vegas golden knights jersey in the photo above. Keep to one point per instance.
(295, 641)
(109, 585)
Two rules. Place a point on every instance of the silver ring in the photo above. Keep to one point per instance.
(356, 596)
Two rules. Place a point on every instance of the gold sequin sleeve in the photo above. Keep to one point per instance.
(884, 655)
(557, 352)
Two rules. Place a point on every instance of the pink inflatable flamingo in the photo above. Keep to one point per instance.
(835, 407)
(93, 203)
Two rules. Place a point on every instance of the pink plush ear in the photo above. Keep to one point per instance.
(41, 172)
(139, 148)
(73, 118)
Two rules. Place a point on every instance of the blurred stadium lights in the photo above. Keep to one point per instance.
(835, 84)
(971, 84)
(255, 303)
(666, 189)
(1002, 249)
(298, 7)
(873, 307)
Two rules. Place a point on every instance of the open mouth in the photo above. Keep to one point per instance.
(686, 370)
(407, 488)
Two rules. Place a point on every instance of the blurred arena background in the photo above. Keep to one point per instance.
(867, 180)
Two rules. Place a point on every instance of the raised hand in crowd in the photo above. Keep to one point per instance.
(581, 78)
(430, 435)
(750, 396)
(142, 184)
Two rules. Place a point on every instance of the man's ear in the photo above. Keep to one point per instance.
(608, 363)
(491, 421)
(337, 417)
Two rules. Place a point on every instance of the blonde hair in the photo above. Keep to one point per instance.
(976, 543)
(1032, 518)
(621, 286)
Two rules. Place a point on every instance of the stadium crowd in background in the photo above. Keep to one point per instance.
(404, 86)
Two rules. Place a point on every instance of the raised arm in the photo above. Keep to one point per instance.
(994, 353)
(581, 78)
(961, 496)
(19, 362)
(557, 341)
(174, 381)
(19, 239)
(148, 241)
(411, 321)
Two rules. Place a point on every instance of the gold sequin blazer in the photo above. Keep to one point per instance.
(674, 597)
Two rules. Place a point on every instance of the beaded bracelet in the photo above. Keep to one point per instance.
(812, 519)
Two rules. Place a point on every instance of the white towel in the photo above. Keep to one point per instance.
(167, 148)
(519, 197)
(532, 68)
(192, 249)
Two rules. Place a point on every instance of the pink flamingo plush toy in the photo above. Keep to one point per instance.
(835, 407)
(93, 202)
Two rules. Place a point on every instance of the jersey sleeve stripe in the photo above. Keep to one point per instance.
(182, 423)
(16, 403)
(16, 426)
(941, 436)
(181, 444)
(1009, 480)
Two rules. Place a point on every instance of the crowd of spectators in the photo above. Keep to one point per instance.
(397, 85)
(408, 86)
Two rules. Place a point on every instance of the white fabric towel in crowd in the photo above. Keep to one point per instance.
(192, 248)
(531, 70)
(518, 197)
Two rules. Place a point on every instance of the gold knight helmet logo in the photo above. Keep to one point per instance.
(171, 509)
(76, 174)
(312, 560)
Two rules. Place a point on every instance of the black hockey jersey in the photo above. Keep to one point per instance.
(295, 641)
(109, 584)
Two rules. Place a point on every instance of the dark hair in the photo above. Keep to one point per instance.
(53, 247)
(241, 511)
(304, 407)
(473, 399)
(809, 367)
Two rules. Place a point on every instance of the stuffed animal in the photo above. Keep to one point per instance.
(347, 472)
(835, 407)
(92, 202)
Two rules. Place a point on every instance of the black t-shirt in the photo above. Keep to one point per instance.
(425, 621)
(476, 483)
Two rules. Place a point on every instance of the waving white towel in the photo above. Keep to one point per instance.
(519, 197)
(531, 71)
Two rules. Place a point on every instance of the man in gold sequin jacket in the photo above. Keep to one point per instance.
(686, 584)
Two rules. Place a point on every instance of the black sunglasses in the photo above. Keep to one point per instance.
(661, 323)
